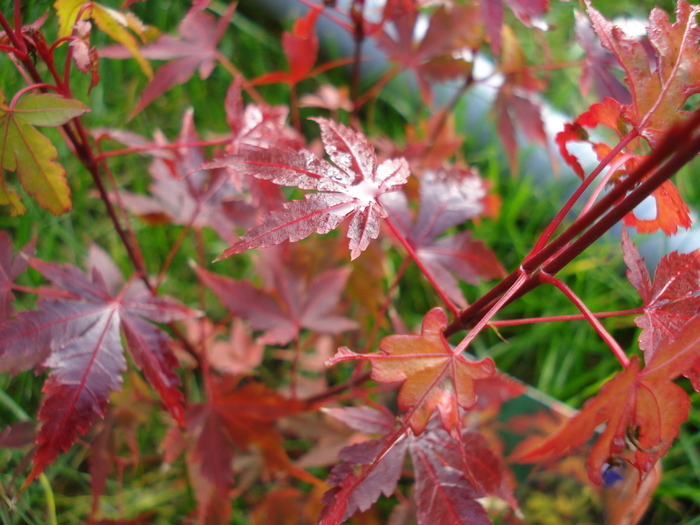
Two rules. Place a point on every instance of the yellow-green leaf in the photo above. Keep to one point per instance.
(48, 109)
(11, 198)
(30, 154)
(67, 11)
(116, 25)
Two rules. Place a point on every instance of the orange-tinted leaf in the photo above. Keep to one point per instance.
(433, 376)
(657, 93)
(301, 49)
(642, 411)
(236, 419)
(660, 86)
(671, 212)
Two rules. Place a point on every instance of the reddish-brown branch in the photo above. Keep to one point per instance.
(597, 326)
(681, 144)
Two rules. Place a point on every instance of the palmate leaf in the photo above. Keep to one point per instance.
(237, 418)
(10, 269)
(193, 51)
(180, 193)
(659, 89)
(431, 58)
(301, 49)
(30, 154)
(300, 303)
(118, 25)
(448, 197)
(78, 337)
(670, 301)
(434, 376)
(350, 187)
(529, 12)
(642, 410)
(450, 473)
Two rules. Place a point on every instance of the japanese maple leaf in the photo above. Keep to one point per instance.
(670, 301)
(349, 187)
(671, 211)
(450, 474)
(431, 58)
(598, 64)
(659, 90)
(448, 198)
(240, 417)
(301, 49)
(257, 124)
(118, 25)
(10, 269)
(194, 50)
(78, 337)
(433, 376)
(529, 12)
(180, 192)
(641, 409)
(516, 105)
(30, 154)
(299, 303)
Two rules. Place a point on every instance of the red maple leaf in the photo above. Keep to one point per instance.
(299, 303)
(529, 12)
(598, 63)
(181, 193)
(240, 417)
(517, 105)
(450, 474)
(449, 31)
(642, 410)
(670, 301)
(350, 187)
(78, 337)
(448, 198)
(301, 49)
(194, 50)
(433, 376)
(10, 269)
(659, 89)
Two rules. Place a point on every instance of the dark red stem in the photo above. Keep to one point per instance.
(680, 145)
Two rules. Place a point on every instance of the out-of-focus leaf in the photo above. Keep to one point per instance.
(30, 154)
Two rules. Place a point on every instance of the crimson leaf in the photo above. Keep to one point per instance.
(300, 303)
(670, 301)
(78, 337)
(10, 269)
(449, 473)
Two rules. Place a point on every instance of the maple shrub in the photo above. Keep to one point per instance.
(242, 282)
